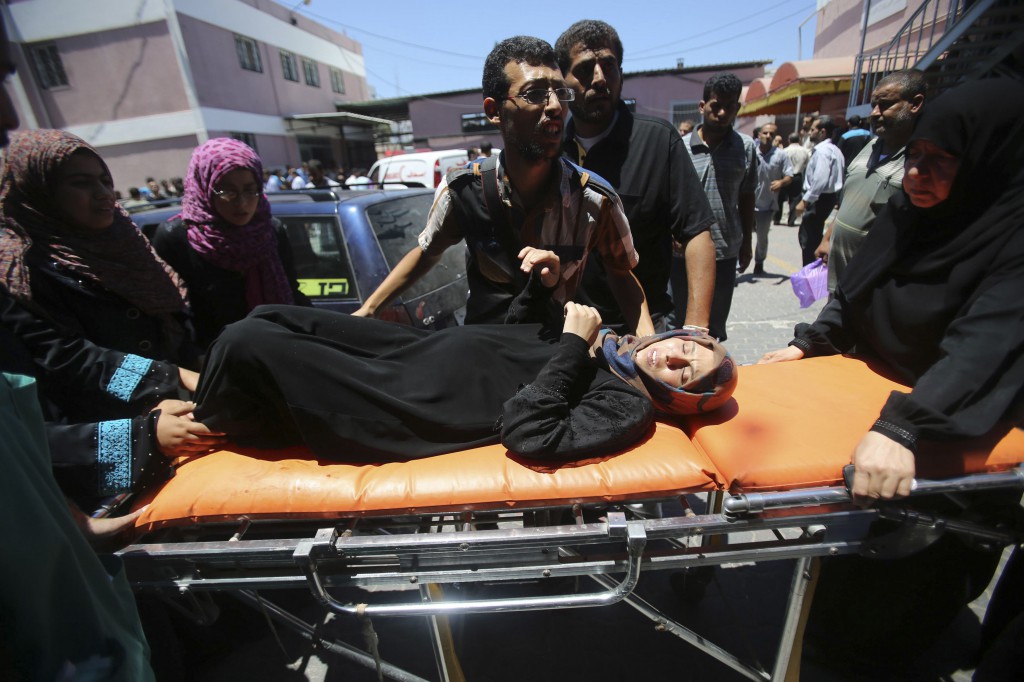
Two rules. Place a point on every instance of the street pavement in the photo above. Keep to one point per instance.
(765, 309)
(742, 609)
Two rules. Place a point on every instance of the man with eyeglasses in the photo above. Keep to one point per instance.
(513, 209)
(876, 173)
(646, 162)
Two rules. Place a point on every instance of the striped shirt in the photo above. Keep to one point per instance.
(726, 173)
(870, 182)
(571, 220)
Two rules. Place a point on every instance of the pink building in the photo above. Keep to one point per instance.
(843, 24)
(843, 30)
(858, 42)
(145, 82)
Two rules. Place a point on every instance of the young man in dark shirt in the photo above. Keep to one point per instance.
(645, 161)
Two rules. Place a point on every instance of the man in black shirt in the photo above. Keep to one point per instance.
(644, 159)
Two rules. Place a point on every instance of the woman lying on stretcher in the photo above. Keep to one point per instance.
(358, 389)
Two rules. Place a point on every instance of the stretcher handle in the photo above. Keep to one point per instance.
(968, 483)
(740, 504)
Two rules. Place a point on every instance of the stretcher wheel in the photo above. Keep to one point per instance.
(691, 584)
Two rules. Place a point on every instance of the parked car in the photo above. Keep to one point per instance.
(418, 169)
(345, 243)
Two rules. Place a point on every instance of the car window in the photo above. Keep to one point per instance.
(322, 264)
(397, 223)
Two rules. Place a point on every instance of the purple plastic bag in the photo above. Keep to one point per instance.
(810, 283)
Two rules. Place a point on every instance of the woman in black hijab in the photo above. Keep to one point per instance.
(937, 293)
(937, 290)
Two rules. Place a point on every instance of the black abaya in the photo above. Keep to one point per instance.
(357, 389)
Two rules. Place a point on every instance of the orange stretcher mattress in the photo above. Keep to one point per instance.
(789, 425)
(795, 425)
(229, 484)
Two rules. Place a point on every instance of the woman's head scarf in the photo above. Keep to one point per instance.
(119, 259)
(251, 249)
(981, 124)
(701, 394)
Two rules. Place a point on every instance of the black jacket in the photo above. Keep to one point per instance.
(217, 295)
(101, 437)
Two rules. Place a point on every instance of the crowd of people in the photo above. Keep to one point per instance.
(309, 175)
(602, 254)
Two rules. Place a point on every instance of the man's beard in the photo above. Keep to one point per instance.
(528, 150)
(599, 115)
(903, 120)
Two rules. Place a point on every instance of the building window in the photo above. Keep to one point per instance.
(291, 72)
(337, 81)
(248, 53)
(311, 72)
(48, 66)
(476, 123)
(247, 138)
(685, 111)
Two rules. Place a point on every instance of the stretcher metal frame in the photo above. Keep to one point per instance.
(542, 544)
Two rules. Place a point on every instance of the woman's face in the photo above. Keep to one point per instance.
(676, 361)
(239, 195)
(84, 192)
(929, 172)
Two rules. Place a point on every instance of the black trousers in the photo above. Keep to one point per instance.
(721, 303)
(794, 192)
(812, 226)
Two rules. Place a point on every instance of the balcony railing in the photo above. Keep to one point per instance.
(925, 27)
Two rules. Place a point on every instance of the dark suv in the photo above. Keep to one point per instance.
(346, 242)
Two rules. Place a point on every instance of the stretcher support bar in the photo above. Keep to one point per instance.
(308, 553)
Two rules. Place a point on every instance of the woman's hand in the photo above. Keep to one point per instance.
(363, 311)
(583, 321)
(550, 267)
(179, 435)
(782, 355)
(883, 468)
(106, 534)
(188, 379)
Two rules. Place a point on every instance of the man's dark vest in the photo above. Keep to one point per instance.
(493, 244)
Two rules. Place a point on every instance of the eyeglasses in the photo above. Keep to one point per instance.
(540, 95)
(230, 195)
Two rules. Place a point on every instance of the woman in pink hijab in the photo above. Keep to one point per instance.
(230, 252)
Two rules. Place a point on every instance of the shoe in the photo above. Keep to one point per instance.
(759, 268)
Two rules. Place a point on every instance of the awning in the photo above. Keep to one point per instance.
(799, 86)
(337, 118)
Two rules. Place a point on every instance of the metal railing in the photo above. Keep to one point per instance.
(932, 20)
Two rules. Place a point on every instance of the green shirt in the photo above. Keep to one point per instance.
(868, 186)
(61, 611)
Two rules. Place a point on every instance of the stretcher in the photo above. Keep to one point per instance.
(768, 468)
